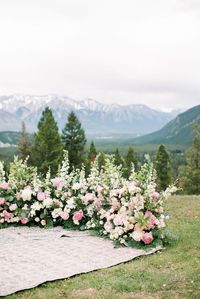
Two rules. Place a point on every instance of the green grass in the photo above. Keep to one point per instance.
(172, 273)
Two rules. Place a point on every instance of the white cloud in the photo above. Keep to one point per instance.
(125, 51)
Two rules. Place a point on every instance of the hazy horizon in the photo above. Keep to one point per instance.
(125, 52)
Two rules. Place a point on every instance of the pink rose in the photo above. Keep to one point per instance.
(2, 201)
(64, 215)
(13, 207)
(24, 220)
(147, 238)
(155, 196)
(152, 218)
(56, 182)
(78, 216)
(41, 196)
(4, 186)
(6, 215)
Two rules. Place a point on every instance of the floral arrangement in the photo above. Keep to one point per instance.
(127, 211)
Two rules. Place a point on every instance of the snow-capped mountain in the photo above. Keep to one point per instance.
(94, 116)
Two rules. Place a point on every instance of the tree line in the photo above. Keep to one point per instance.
(46, 151)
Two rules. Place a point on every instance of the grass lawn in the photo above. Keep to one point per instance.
(173, 273)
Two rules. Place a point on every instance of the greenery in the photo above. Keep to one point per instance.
(47, 148)
(24, 145)
(163, 168)
(172, 273)
(118, 159)
(191, 172)
(130, 161)
(74, 140)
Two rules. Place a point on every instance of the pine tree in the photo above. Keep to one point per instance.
(47, 149)
(91, 157)
(92, 152)
(24, 144)
(191, 174)
(74, 140)
(117, 158)
(163, 168)
(130, 160)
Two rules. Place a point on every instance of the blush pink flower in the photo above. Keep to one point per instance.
(2, 201)
(4, 186)
(64, 215)
(88, 198)
(147, 238)
(118, 219)
(155, 196)
(56, 182)
(78, 216)
(24, 220)
(41, 196)
(13, 207)
(6, 215)
(152, 218)
(18, 196)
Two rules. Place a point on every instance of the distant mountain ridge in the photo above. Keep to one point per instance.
(94, 116)
(177, 131)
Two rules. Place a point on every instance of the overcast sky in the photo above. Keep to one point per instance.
(124, 51)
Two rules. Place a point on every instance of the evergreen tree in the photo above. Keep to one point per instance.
(163, 168)
(117, 158)
(92, 152)
(47, 149)
(130, 159)
(91, 157)
(74, 140)
(101, 160)
(24, 144)
(191, 174)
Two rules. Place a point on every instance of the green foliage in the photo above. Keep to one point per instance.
(92, 152)
(130, 162)
(163, 168)
(74, 140)
(118, 161)
(191, 172)
(24, 144)
(47, 148)
(91, 156)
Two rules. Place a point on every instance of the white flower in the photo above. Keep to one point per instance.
(76, 186)
(36, 206)
(26, 194)
(56, 213)
(43, 222)
(47, 202)
(137, 235)
(71, 203)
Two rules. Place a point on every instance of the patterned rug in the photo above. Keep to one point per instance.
(32, 256)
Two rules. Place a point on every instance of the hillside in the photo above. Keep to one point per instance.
(96, 117)
(177, 131)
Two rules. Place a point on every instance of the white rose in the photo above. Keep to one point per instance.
(137, 235)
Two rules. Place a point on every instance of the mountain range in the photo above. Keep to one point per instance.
(177, 131)
(96, 118)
